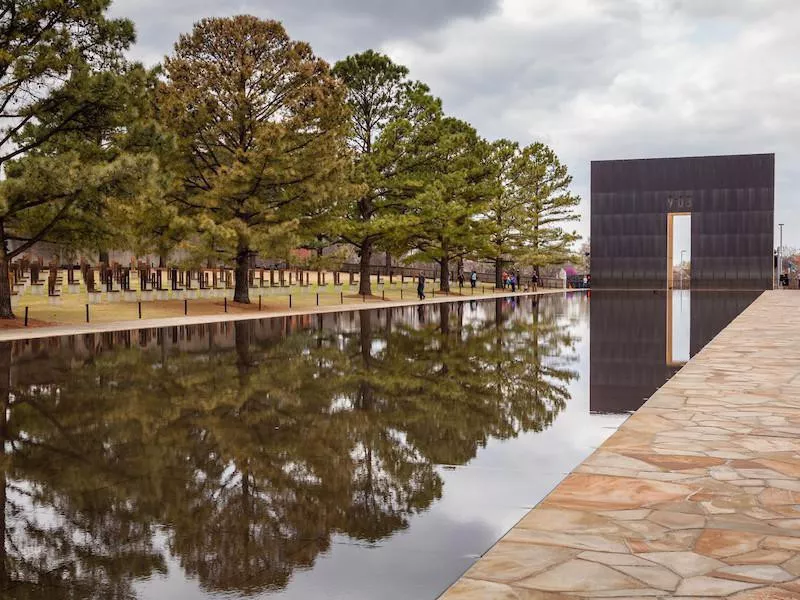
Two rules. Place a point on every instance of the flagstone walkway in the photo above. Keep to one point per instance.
(696, 496)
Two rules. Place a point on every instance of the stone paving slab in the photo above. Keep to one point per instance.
(696, 496)
(9, 335)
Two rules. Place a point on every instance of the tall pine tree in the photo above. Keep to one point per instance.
(442, 222)
(386, 107)
(261, 124)
(527, 217)
(59, 61)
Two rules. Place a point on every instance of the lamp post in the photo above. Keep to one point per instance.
(682, 253)
(780, 254)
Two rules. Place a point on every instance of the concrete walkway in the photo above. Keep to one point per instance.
(696, 496)
(72, 329)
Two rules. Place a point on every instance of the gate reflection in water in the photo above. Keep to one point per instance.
(353, 455)
(640, 339)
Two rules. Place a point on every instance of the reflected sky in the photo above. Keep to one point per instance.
(680, 323)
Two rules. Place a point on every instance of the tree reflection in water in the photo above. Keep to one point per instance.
(248, 445)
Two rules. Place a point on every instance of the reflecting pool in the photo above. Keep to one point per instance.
(361, 455)
(639, 340)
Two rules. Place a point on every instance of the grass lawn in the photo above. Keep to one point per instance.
(70, 308)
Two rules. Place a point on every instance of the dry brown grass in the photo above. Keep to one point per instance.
(71, 308)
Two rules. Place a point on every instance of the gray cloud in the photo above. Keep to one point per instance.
(334, 27)
(601, 79)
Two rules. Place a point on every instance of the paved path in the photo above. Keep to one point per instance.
(696, 496)
(72, 329)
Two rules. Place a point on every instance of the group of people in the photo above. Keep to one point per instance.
(511, 279)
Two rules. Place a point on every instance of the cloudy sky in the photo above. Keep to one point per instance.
(595, 79)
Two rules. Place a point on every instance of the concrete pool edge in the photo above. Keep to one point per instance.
(11, 335)
(693, 496)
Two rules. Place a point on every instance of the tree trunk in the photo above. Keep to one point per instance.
(102, 256)
(444, 280)
(5, 434)
(388, 264)
(162, 261)
(242, 333)
(365, 285)
(5, 282)
(241, 293)
(365, 336)
(444, 320)
(498, 272)
(498, 313)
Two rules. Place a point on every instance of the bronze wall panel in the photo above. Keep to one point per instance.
(731, 199)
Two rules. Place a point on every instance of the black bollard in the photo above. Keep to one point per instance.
(140, 309)
(290, 301)
(225, 303)
(259, 302)
(185, 306)
(87, 313)
(317, 299)
(341, 297)
(26, 316)
(383, 295)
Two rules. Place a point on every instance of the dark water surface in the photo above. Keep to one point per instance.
(369, 455)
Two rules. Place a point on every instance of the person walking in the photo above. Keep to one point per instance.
(505, 279)
(421, 286)
(513, 282)
(535, 281)
(461, 279)
(473, 279)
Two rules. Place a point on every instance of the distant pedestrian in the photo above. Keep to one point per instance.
(505, 279)
(461, 279)
(473, 279)
(585, 282)
(513, 282)
(535, 281)
(421, 286)
(798, 280)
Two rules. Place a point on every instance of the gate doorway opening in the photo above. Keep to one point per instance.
(679, 251)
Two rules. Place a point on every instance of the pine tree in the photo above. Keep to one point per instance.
(386, 107)
(553, 206)
(59, 61)
(527, 215)
(260, 122)
(441, 223)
